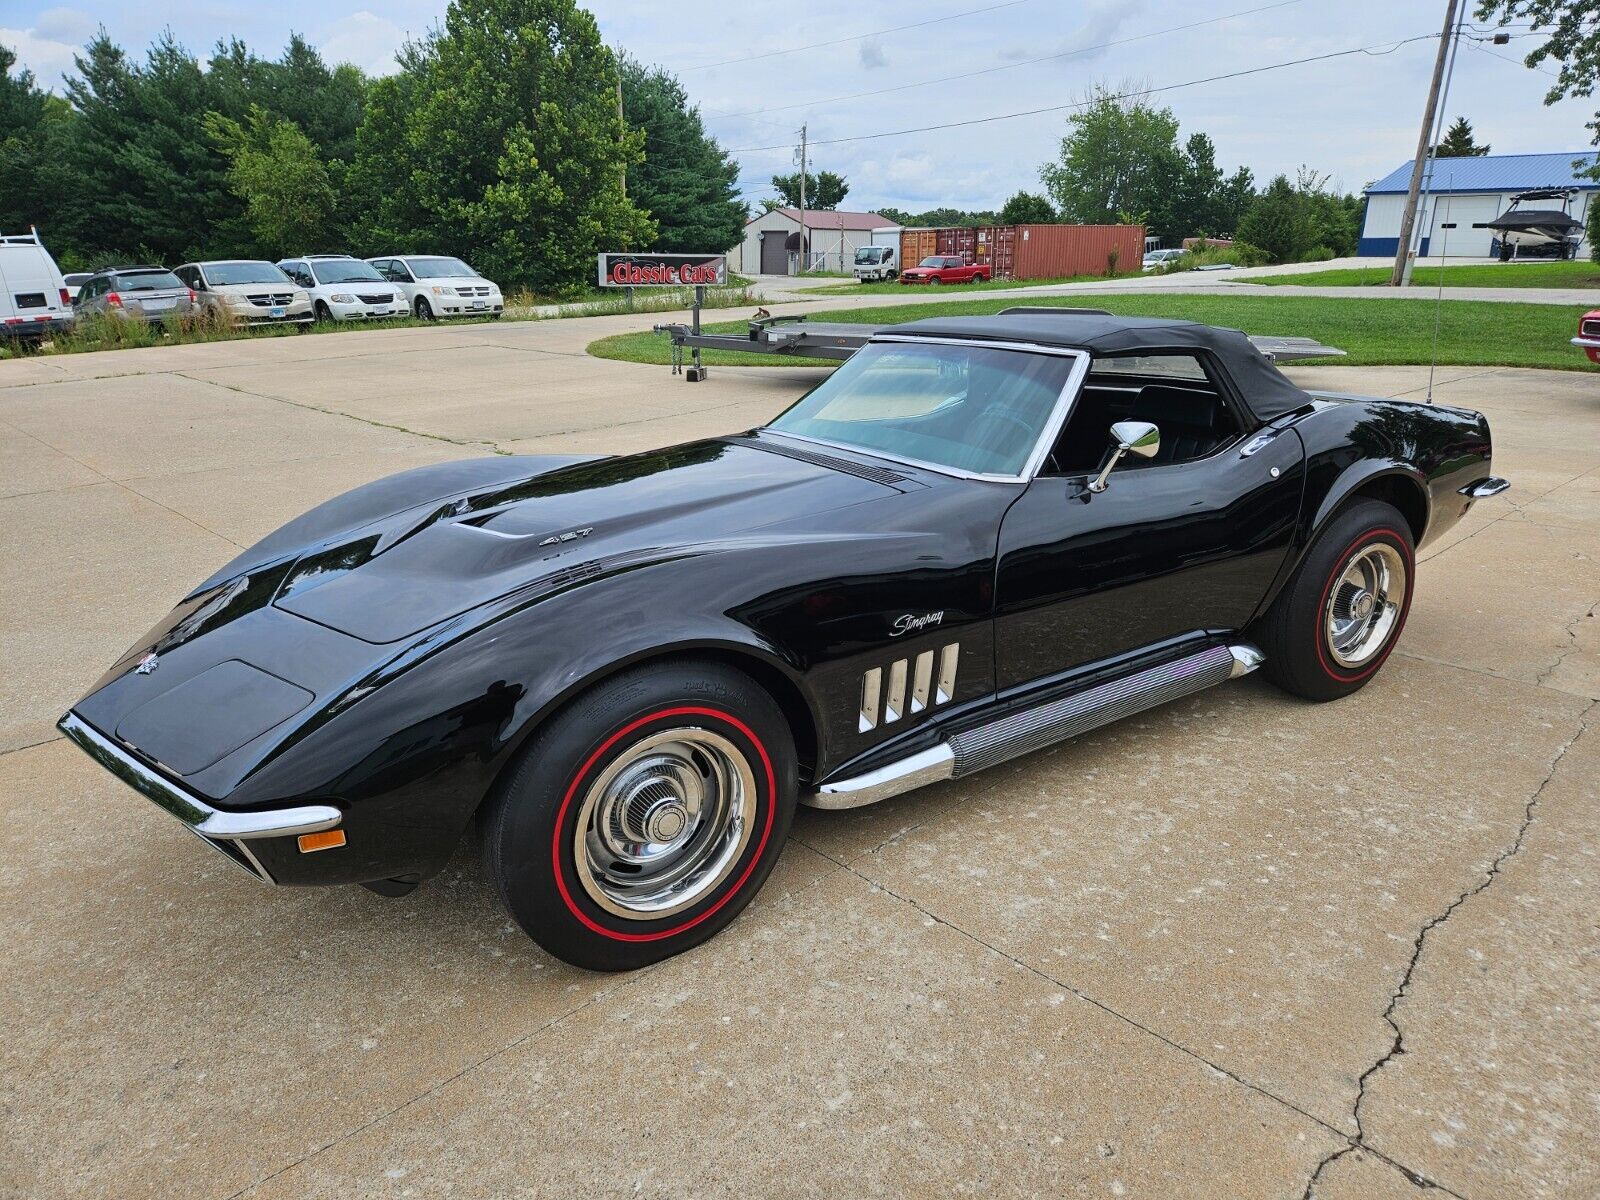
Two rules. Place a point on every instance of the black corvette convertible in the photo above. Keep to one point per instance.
(631, 669)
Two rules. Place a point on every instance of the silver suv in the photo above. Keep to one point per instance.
(142, 292)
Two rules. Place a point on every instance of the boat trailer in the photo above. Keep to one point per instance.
(796, 337)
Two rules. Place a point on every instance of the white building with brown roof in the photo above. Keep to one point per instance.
(771, 243)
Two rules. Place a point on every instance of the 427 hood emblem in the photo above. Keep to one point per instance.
(912, 623)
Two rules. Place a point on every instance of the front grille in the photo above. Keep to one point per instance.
(383, 298)
(472, 291)
(1590, 329)
(268, 299)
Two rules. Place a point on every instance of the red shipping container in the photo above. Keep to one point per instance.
(1055, 251)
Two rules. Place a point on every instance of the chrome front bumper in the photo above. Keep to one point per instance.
(1587, 343)
(214, 825)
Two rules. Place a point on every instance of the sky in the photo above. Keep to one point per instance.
(1354, 118)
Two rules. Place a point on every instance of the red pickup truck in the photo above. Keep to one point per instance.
(946, 268)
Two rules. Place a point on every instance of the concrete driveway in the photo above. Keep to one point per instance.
(1227, 948)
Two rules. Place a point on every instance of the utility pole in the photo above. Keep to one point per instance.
(622, 169)
(1408, 220)
(802, 200)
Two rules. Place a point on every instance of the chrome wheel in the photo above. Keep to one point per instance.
(1364, 604)
(664, 824)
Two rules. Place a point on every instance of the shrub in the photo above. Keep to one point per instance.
(1318, 254)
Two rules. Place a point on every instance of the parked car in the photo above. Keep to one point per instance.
(1156, 259)
(344, 288)
(1588, 339)
(630, 669)
(875, 262)
(946, 268)
(34, 299)
(439, 286)
(75, 280)
(248, 291)
(141, 292)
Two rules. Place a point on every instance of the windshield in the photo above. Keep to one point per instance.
(346, 270)
(870, 255)
(935, 261)
(440, 268)
(218, 274)
(145, 281)
(969, 408)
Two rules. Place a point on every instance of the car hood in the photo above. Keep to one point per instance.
(397, 577)
(245, 289)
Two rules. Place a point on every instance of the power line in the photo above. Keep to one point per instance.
(971, 12)
(1138, 37)
(1374, 50)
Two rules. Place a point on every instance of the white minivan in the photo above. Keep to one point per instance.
(437, 285)
(34, 300)
(344, 288)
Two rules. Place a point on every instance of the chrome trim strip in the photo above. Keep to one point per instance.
(1246, 658)
(922, 682)
(1482, 489)
(1079, 712)
(949, 659)
(928, 766)
(871, 687)
(183, 804)
(1043, 725)
(1587, 343)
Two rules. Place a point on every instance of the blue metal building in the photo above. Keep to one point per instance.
(1468, 190)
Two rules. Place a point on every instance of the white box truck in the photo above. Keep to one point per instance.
(880, 259)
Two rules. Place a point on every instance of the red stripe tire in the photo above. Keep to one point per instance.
(644, 816)
(1340, 616)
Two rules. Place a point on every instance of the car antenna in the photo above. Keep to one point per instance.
(1438, 303)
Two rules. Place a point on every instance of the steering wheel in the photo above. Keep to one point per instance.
(1027, 432)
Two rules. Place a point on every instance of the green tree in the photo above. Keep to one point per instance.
(1199, 201)
(33, 131)
(1119, 160)
(1572, 39)
(686, 182)
(289, 199)
(824, 191)
(1237, 194)
(895, 216)
(1278, 223)
(1458, 142)
(500, 141)
(1026, 208)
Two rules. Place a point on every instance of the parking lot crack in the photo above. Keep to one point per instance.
(1572, 641)
(1397, 1043)
(335, 412)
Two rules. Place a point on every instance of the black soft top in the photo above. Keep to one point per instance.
(1264, 388)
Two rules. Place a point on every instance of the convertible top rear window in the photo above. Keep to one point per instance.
(979, 409)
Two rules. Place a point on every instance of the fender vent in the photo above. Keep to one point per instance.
(881, 475)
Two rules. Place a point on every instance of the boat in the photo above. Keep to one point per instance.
(1537, 231)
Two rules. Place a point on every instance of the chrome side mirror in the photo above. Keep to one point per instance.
(1127, 437)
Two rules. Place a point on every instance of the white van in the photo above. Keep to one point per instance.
(34, 300)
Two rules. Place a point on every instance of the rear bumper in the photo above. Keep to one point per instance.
(35, 327)
(227, 832)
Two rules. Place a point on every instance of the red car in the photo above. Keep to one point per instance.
(946, 268)
(1589, 335)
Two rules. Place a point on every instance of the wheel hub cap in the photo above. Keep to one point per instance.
(664, 824)
(1364, 604)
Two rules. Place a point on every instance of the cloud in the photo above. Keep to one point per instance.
(872, 55)
(365, 39)
(48, 58)
(65, 25)
(1104, 25)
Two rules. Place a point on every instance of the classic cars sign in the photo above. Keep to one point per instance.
(663, 270)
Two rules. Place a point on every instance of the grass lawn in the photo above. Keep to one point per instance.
(1373, 332)
(893, 287)
(1497, 275)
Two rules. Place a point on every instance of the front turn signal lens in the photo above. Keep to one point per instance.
(328, 839)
